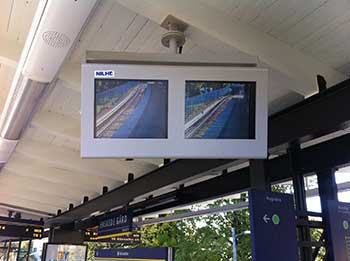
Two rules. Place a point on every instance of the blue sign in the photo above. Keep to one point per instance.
(339, 219)
(104, 74)
(115, 224)
(133, 238)
(273, 226)
(151, 254)
(21, 228)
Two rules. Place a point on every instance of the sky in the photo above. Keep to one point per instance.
(313, 203)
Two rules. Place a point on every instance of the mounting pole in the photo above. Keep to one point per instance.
(175, 36)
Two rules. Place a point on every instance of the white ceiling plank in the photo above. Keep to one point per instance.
(11, 187)
(112, 29)
(338, 36)
(26, 167)
(19, 200)
(70, 74)
(322, 17)
(33, 184)
(6, 75)
(316, 36)
(64, 99)
(131, 32)
(142, 36)
(5, 9)
(10, 51)
(282, 15)
(214, 46)
(241, 36)
(248, 7)
(71, 161)
(21, 19)
(256, 9)
(153, 43)
(91, 185)
(226, 6)
(58, 124)
(94, 24)
(345, 68)
(296, 12)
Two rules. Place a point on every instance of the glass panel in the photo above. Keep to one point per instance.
(313, 201)
(2, 251)
(13, 251)
(37, 249)
(23, 252)
(342, 178)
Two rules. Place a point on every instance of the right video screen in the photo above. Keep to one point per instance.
(220, 110)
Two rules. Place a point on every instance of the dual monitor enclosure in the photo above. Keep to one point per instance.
(167, 111)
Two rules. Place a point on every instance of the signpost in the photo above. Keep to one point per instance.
(21, 228)
(115, 225)
(273, 226)
(146, 254)
(339, 220)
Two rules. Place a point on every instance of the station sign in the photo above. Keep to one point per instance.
(273, 226)
(146, 254)
(115, 225)
(339, 219)
(21, 228)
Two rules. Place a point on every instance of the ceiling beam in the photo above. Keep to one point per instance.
(279, 134)
(277, 54)
(325, 155)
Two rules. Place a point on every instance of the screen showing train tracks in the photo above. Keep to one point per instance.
(219, 110)
(131, 108)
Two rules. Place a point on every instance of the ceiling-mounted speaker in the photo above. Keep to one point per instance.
(60, 24)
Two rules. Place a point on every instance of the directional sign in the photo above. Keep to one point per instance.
(115, 224)
(273, 226)
(339, 219)
(134, 238)
(21, 228)
(145, 254)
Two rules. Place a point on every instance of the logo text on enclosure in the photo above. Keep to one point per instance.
(104, 74)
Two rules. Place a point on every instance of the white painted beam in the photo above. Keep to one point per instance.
(271, 51)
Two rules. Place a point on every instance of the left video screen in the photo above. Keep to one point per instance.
(129, 108)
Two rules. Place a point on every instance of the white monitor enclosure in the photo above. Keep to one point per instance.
(133, 111)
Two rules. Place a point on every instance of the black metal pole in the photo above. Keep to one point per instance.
(51, 235)
(19, 249)
(300, 201)
(327, 188)
(258, 175)
(28, 251)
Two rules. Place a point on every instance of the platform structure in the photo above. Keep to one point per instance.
(304, 47)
